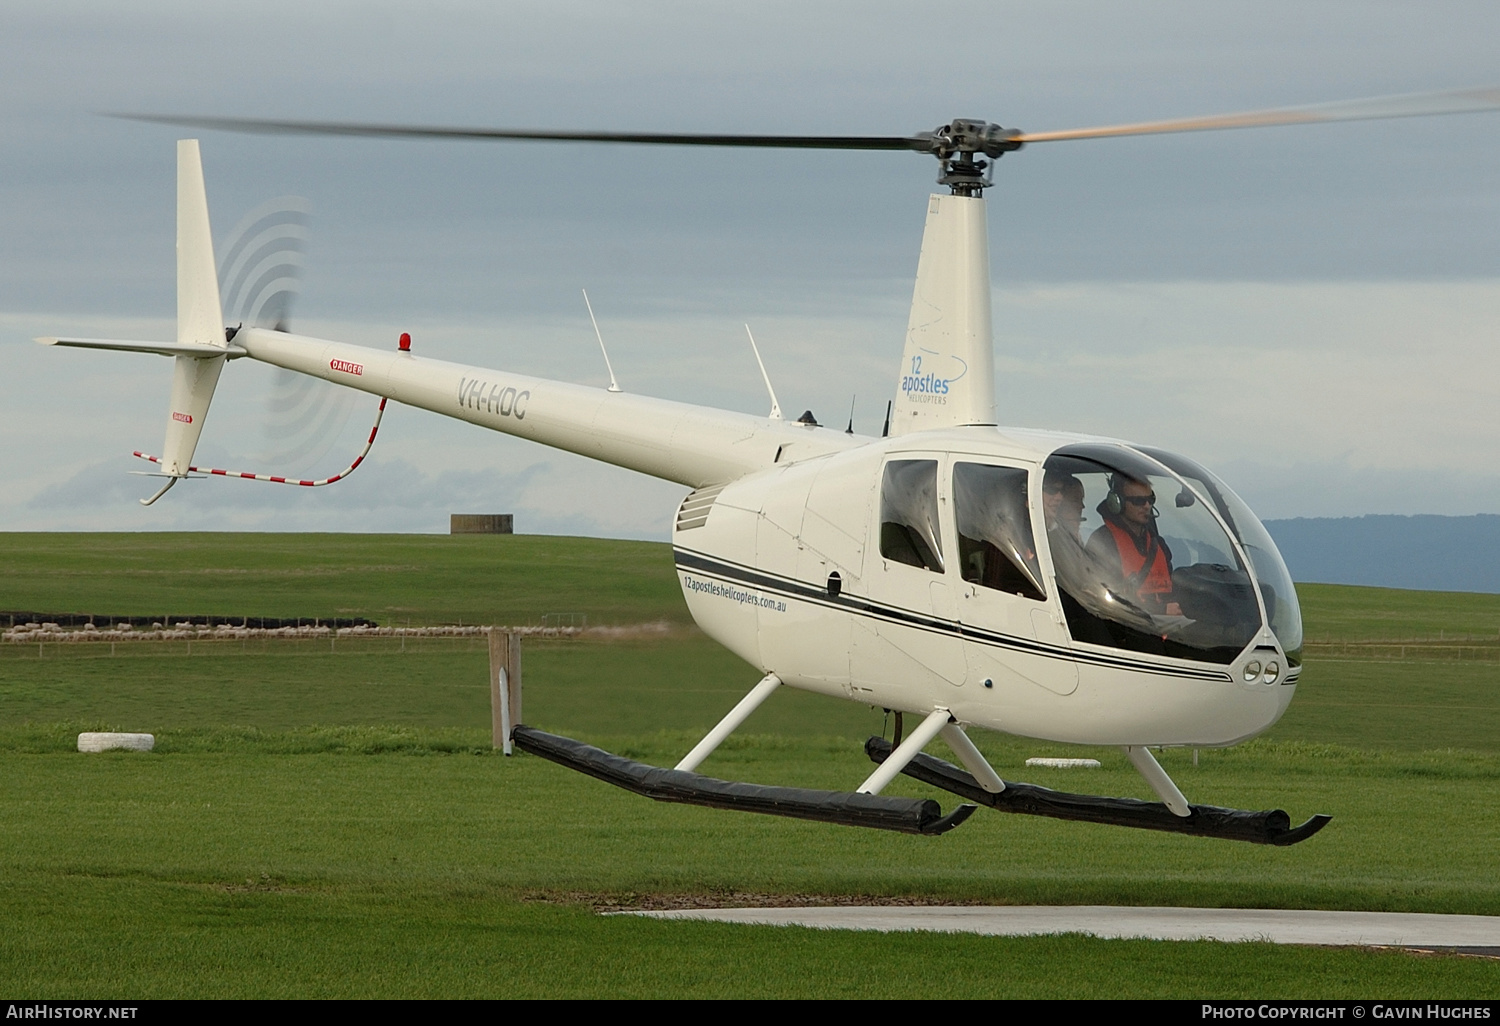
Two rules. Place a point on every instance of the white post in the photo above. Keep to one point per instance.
(505, 745)
(1142, 759)
(741, 712)
(505, 686)
(897, 760)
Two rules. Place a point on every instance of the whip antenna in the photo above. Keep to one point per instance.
(613, 385)
(775, 406)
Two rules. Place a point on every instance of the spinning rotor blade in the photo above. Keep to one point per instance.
(919, 143)
(960, 136)
(1410, 105)
(260, 272)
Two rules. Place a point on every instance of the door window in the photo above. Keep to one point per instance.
(996, 548)
(909, 514)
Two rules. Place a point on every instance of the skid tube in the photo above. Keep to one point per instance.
(1272, 827)
(907, 815)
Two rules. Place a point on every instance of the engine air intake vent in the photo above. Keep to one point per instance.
(694, 509)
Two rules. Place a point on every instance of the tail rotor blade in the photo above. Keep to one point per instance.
(260, 274)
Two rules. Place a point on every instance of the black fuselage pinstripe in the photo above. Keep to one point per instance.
(724, 570)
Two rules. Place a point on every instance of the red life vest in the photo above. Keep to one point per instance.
(1154, 581)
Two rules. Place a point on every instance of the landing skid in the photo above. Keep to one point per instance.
(907, 815)
(1272, 827)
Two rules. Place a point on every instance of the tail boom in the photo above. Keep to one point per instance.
(691, 445)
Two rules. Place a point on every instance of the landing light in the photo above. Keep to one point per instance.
(1252, 670)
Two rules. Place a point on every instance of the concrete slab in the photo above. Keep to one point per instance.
(1393, 929)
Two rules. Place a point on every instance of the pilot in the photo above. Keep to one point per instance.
(1062, 503)
(1129, 540)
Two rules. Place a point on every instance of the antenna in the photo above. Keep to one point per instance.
(775, 406)
(614, 386)
(850, 429)
(885, 431)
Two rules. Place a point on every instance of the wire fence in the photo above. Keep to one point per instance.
(1407, 648)
(121, 638)
(50, 640)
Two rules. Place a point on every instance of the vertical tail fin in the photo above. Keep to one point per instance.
(948, 368)
(199, 316)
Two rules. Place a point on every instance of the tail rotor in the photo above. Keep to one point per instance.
(261, 270)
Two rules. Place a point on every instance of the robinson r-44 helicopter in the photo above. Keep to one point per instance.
(938, 571)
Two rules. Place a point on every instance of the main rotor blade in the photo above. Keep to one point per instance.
(1410, 105)
(920, 143)
(1458, 101)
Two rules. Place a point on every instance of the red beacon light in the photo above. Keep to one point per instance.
(405, 342)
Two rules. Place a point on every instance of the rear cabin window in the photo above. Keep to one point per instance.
(909, 514)
(996, 548)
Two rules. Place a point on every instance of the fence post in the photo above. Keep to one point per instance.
(505, 686)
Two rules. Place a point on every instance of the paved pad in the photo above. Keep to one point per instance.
(1394, 929)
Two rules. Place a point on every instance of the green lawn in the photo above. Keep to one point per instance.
(241, 873)
(390, 578)
(332, 823)
(1341, 612)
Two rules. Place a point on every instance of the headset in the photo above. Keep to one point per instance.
(1113, 502)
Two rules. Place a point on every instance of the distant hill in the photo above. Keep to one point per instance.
(1428, 552)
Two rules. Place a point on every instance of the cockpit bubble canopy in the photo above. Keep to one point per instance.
(1149, 551)
(1270, 569)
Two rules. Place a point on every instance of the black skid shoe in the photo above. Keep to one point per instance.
(1272, 827)
(907, 815)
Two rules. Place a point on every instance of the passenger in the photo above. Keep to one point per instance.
(1062, 509)
(1062, 503)
(1130, 542)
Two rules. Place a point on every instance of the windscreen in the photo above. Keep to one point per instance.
(1275, 580)
(1140, 562)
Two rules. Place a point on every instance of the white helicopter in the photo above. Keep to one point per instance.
(939, 571)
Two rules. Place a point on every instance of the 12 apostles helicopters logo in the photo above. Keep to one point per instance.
(930, 387)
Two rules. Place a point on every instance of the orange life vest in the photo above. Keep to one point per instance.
(1153, 581)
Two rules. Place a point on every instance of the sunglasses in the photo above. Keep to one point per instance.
(1139, 500)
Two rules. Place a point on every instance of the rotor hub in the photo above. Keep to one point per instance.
(963, 135)
(957, 143)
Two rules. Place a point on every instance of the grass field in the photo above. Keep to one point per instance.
(1337, 612)
(392, 579)
(319, 823)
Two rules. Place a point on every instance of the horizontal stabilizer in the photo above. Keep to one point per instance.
(1271, 827)
(159, 348)
(908, 815)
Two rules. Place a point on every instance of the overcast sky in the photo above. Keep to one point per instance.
(1313, 311)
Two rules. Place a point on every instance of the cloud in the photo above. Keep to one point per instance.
(393, 496)
(1309, 307)
(1312, 399)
